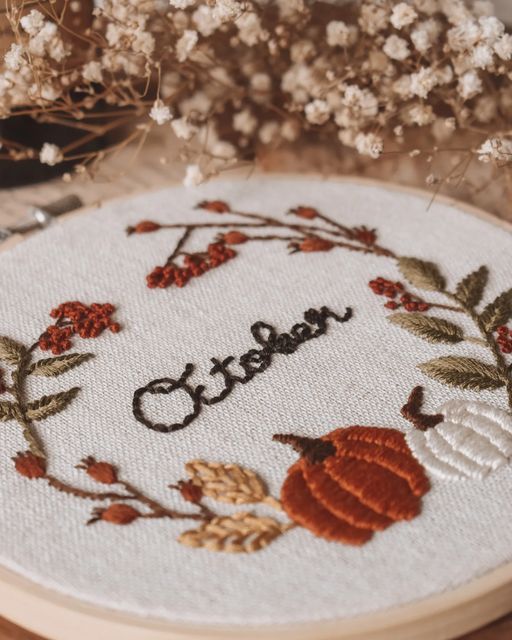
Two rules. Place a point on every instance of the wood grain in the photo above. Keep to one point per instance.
(500, 630)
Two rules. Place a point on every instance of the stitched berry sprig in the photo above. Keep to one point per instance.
(459, 371)
(302, 237)
(72, 319)
(397, 295)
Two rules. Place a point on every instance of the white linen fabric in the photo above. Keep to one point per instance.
(358, 373)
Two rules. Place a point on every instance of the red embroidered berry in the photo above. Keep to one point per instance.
(315, 244)
(190, 492)
(102, 472)
(392, 305)
(118, 513)
(145, 226)
(364, 235)
(308, 213)
(504, 339)
(234, 237)
(29, 465)
(214, 206)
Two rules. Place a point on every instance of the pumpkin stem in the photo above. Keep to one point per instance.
(412, 411)
(313, 449)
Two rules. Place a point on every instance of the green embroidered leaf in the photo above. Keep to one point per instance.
(50, 405)
(51, 367)
(427, 327)
(421, 274)
(6, 411)
(11, 351)
(467, 373)
(471, 288)
(497, 312)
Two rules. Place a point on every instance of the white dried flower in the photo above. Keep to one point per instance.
(14, 57)
(261, 82)
(33, 22)
(369, 144)
(498, 149)
(339, 34)
(427, 6)
(423, 81)
(182, 4)
(420, 114)
(503, 47)
(183, 129)
(193, 176)
(482, 56)
(486, 108)
(227, 10)
(160, 112)
(268, 132)
(222, 150)
(425, 34)
(245, 122)
(206, 20)
(290, 130)
(469, 85)
(373, 18)
(92, 71)
(50, 154)
(250, 31)
(396, 48)
(402, 15)
(317, 112)
(186, 44)
(491, 28)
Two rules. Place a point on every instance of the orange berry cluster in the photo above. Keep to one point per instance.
(398, 296)
(76, 318)
(194, 265)
(504, 339)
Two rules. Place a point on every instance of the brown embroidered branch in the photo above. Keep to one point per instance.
(306, 238)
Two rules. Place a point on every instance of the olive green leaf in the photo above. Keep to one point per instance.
(470, 289)
(467, 373)
(51, 367)
(497, 312)
(427, 327)
(50, 405)
(11, 351)
(6, 411)
(421, 274)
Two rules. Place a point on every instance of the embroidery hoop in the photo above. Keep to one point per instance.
(449, 613)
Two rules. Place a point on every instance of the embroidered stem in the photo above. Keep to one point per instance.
(313, 449)
(411, 411)
(180, 244)
(160, 511)
(59, 485)
(18, 392)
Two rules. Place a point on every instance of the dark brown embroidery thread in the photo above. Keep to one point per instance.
(252, 362)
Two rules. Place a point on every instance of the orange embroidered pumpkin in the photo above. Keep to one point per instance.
(352, 482)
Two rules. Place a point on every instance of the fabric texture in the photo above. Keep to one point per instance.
(359, 373)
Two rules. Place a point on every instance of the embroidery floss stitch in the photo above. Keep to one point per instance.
(252, 362)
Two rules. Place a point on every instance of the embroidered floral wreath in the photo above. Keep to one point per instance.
(347, 484)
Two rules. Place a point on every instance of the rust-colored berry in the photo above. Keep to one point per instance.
(234, 237)
(29, 465)
(214, 206)
(308, 213)
(102, 472)
(315, 244)
(119, 513)
(365, 235)
(190, 492)
(145, 226)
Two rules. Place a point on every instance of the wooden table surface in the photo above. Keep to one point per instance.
(156, 168)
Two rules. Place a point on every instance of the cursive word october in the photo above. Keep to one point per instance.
(253, 362)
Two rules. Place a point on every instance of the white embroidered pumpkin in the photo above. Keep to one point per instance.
(472, 440)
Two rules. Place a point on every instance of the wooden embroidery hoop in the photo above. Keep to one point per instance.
(440, 617)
